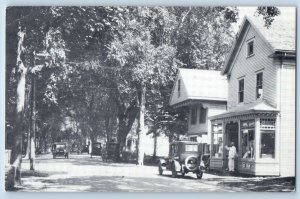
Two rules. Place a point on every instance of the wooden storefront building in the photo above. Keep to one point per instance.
(260, 116)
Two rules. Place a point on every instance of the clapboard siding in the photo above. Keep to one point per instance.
(175, 98)
(287, 115)
(247, 68)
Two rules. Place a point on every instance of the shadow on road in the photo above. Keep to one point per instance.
(262, 184)
(118, 184)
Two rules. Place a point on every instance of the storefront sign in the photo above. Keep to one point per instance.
(268, 124)
(217, 128)
(247, 124)
(247, 165)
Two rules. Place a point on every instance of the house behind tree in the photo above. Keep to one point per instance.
(204, 94)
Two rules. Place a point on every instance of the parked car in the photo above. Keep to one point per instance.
(38, 151)
(75, 148)
(85, 149)
(128, 156)
(112, 152)
(96, 149)
(205, 155)
(60, 149)
(184, 157)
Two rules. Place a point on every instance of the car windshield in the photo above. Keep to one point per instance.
(60, 146)
(97, 145)
(112, 146)
(191, 147)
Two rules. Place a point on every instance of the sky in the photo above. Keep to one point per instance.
(243, 11)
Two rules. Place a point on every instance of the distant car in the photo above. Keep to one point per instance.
(96, 149)
(85, 149)
(60, 149)
(75, 148)
(184, 157)
(112, 152)
(38, 151)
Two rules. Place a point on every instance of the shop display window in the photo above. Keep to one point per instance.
(267, 144)
(267, 138)
(248, 144)
(217, 136)
(247, 139)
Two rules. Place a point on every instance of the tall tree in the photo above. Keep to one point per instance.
(143, 63)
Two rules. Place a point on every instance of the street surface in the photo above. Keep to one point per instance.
(81, 173)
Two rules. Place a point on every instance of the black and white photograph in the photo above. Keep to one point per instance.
(150, 99)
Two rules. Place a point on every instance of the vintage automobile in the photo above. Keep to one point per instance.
(75, 148)
(112, 152)
(184, 157)
(85, 149)
(96, 149)
(60, 149)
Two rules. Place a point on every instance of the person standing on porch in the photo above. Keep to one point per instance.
(231, 156)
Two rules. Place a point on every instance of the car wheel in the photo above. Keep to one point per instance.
(160, 170)
(174, 172)
(199, 175)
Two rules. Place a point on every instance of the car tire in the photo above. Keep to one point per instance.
(174, 172)
(199, 175)
(160, 170)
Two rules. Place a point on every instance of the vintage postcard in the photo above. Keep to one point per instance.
(150, 99)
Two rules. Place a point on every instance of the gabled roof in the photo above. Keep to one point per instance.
(255, 107)
(201, 85)
(280, 36)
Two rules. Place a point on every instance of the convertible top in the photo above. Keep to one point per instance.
(58, 143)
(185, 142)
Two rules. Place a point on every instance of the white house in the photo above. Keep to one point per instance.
(260, 119)
(204, 93)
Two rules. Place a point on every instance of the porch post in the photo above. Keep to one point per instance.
(257, 138)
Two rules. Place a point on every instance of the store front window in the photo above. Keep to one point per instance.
(267, 141)
(267, 144)
(247, 142)
(217, 136)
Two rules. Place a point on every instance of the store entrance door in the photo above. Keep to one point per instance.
(232, 132)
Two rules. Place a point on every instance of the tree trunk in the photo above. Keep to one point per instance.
(27, 100)
(107, 129)
(14, 173)
(155, 143)
(33, 119)
(126, 119)
(141, 124)
(28, 143)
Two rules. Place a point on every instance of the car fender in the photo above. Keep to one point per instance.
(177, 165)
(162, 162)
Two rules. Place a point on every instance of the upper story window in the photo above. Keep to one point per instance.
(259, 85)
(178, 88)
(193, 115)
(250, 48)
(241, 90)
(202, 118)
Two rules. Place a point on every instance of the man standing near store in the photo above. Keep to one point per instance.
(231, 156)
